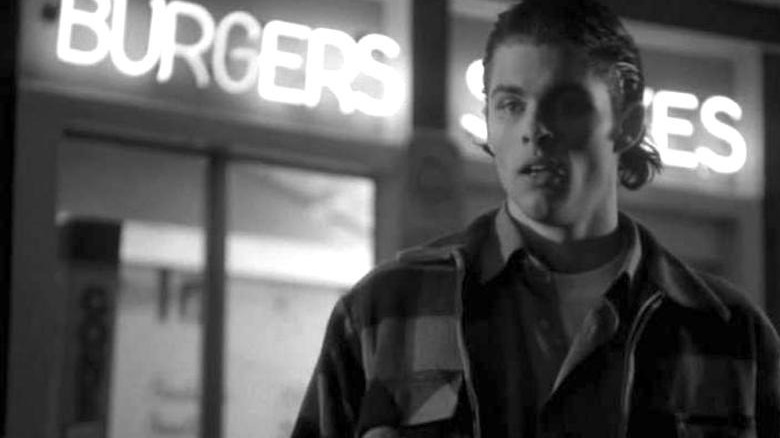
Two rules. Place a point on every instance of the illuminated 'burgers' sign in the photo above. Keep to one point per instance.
(262, 54)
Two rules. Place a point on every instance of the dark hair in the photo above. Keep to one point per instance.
(612, 55)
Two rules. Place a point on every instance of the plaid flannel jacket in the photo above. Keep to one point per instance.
(700, 359)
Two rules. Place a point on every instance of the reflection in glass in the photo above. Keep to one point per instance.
(150, 378)
(297, 241)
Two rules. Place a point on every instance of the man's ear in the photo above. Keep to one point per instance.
(630, 127)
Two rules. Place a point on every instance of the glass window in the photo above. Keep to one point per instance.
(134, 356)
(297, 240)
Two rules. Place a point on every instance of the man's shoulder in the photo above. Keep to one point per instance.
(411, 271)
(420, 279)
(732, 296)
(433, 256)
(409, 286)
(694, 287)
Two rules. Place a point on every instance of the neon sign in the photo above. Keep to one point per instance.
(261, 58)
(663, 125)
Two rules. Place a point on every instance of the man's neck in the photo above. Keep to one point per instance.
(568, 249)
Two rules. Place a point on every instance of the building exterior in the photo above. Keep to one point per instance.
(196, 182)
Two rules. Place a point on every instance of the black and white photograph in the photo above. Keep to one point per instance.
(389, 218)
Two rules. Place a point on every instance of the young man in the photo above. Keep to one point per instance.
(556, 315)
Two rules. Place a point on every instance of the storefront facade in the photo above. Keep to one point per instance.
(224, 149)
(198, 181)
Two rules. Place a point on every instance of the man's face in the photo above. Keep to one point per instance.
(550, 125)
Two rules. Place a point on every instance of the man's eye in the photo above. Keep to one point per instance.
(511, 106)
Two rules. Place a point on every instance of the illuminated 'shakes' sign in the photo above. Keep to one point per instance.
(663, 125)
(107, 22)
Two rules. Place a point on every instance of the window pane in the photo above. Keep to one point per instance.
(149, 370)
(297, 241)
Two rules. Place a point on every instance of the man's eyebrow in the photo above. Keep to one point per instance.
(509, 89)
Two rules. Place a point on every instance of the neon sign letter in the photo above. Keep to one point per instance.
(118, 55)
(94, 21)
(472, 123)
(271, 58)
(393, 96)
(730, 163)
(338, 80)
(663, 125)
(248, 55)
(474, 74)
(192, 53)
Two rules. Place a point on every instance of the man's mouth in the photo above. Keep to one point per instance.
(547, 172)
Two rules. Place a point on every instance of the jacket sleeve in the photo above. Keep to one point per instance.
(768, 384)
(331, 405)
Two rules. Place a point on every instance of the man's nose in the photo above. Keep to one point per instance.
(536, 132)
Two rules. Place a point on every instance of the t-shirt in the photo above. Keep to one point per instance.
(577, 293)
(514, 331)
(556, 305)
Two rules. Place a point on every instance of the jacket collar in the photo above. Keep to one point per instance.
(481, 247)
(508, 240)
(665, 272)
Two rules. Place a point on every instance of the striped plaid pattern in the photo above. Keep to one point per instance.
(410, 346)
(706, 363)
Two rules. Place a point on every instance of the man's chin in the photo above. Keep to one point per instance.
(541, 211)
